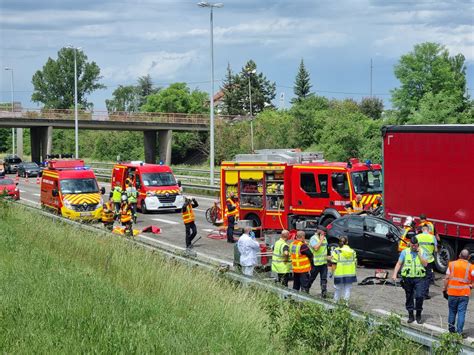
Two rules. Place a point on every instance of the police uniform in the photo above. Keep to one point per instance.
(281, 263)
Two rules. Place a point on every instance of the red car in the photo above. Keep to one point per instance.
(9, 188)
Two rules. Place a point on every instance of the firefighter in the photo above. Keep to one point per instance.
(343, 263)
(412, 261)
(409, 231)
(126, 216)
(319, 247)
(108, 214)
(376, 206)
(117, 198)
(188, 219)
(281, 263)
(430, 245)
(132, 196)
(232, 213)
(301, 261)
(424, 221)
(355, 206)
(458, 284)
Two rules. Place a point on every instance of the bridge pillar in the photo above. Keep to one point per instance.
(41, 143)
(150, 146)
(164, 145)
(19, 142)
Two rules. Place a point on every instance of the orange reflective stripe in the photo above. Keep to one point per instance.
(188, 215)
(235, 211)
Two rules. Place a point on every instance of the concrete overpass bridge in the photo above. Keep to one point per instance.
(157, 128)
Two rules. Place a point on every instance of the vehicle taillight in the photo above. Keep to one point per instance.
(329, 226)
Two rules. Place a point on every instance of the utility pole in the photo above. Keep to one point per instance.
(13, 107)
(371, 67)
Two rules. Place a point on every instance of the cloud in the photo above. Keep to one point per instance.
(162, 65)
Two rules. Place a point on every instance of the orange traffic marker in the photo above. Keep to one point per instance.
(17, 177)
(26, 179)
(37, 180)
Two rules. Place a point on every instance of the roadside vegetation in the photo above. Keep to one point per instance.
(66, 290)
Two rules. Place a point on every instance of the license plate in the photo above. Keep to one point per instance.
(168, 205)
(86, 214)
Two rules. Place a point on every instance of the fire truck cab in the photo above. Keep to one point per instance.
(157, 186)
(288, 189)
(70, 189)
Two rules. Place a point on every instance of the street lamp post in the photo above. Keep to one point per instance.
(250, 72)
(76, 122)
(211, 6)
(13, 107)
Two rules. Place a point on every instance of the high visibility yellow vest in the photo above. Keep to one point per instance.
(320, 255)
(117, 194)
(281, 263)
(426, 241)
(132, 194)
(107, 213)
(235, 211)
(125, 215)
(188, 215)
(346, 260)
(412, 267)
(299, 262)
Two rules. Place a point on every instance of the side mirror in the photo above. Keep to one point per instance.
(102, 190)
(55, 193)
(179, 183)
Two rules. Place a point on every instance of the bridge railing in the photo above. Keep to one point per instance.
(159, 117)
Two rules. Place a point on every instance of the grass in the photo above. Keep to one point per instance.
(65, 290)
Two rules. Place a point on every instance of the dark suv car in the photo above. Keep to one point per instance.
(10, 163)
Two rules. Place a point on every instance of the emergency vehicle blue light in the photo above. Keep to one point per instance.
(368, 162)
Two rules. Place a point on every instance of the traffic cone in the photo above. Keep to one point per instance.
(37, 180)
(26, 178)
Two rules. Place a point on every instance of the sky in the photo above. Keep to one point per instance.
(170, 41)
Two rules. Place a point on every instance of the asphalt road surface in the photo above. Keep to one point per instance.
(377, 299)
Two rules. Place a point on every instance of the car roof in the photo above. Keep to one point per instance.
(368, 215)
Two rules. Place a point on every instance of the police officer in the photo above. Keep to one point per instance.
(343, 263)
(281, 263)
(412, 261)
(319, 247)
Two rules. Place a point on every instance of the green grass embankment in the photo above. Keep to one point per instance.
(66, 290)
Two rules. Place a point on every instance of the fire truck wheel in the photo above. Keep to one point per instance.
(143, 208)
(443, 256)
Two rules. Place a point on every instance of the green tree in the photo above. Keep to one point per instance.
(429, 69)
(372, 107)
(302, 85)
(54, 84)
(125, 99)
(236, 91)
(145, 88)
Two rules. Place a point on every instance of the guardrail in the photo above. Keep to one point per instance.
(160, 117)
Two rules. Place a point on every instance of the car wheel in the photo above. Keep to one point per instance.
(443, 256)
(143, 207)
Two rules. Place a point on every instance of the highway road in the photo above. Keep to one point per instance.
(377, 299)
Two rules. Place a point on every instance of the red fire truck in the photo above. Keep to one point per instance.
(429, 170)
(287, 189)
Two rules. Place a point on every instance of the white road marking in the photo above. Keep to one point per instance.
(206, 198)
(164, 221)
(198, 209)
(207, 230)
(37, 194)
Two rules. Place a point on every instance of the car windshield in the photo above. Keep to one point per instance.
(14, 161)
(158, 179)
(31, 166)
(79, 186)
(6, 182)
(369, 181)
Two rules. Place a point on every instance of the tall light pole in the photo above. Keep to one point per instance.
(76, 123)
(13, 107)
(211, 6)
(250, 72)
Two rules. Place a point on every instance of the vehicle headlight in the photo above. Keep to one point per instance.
(179, 198)
(67, 204)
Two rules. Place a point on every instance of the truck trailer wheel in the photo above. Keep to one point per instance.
(443, 256)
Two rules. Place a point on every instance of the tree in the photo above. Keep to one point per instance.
(125, 98)
(54, 84)
(302, 85)
(145, 88)
(237, 95)
(372, 107)
(428, 69)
